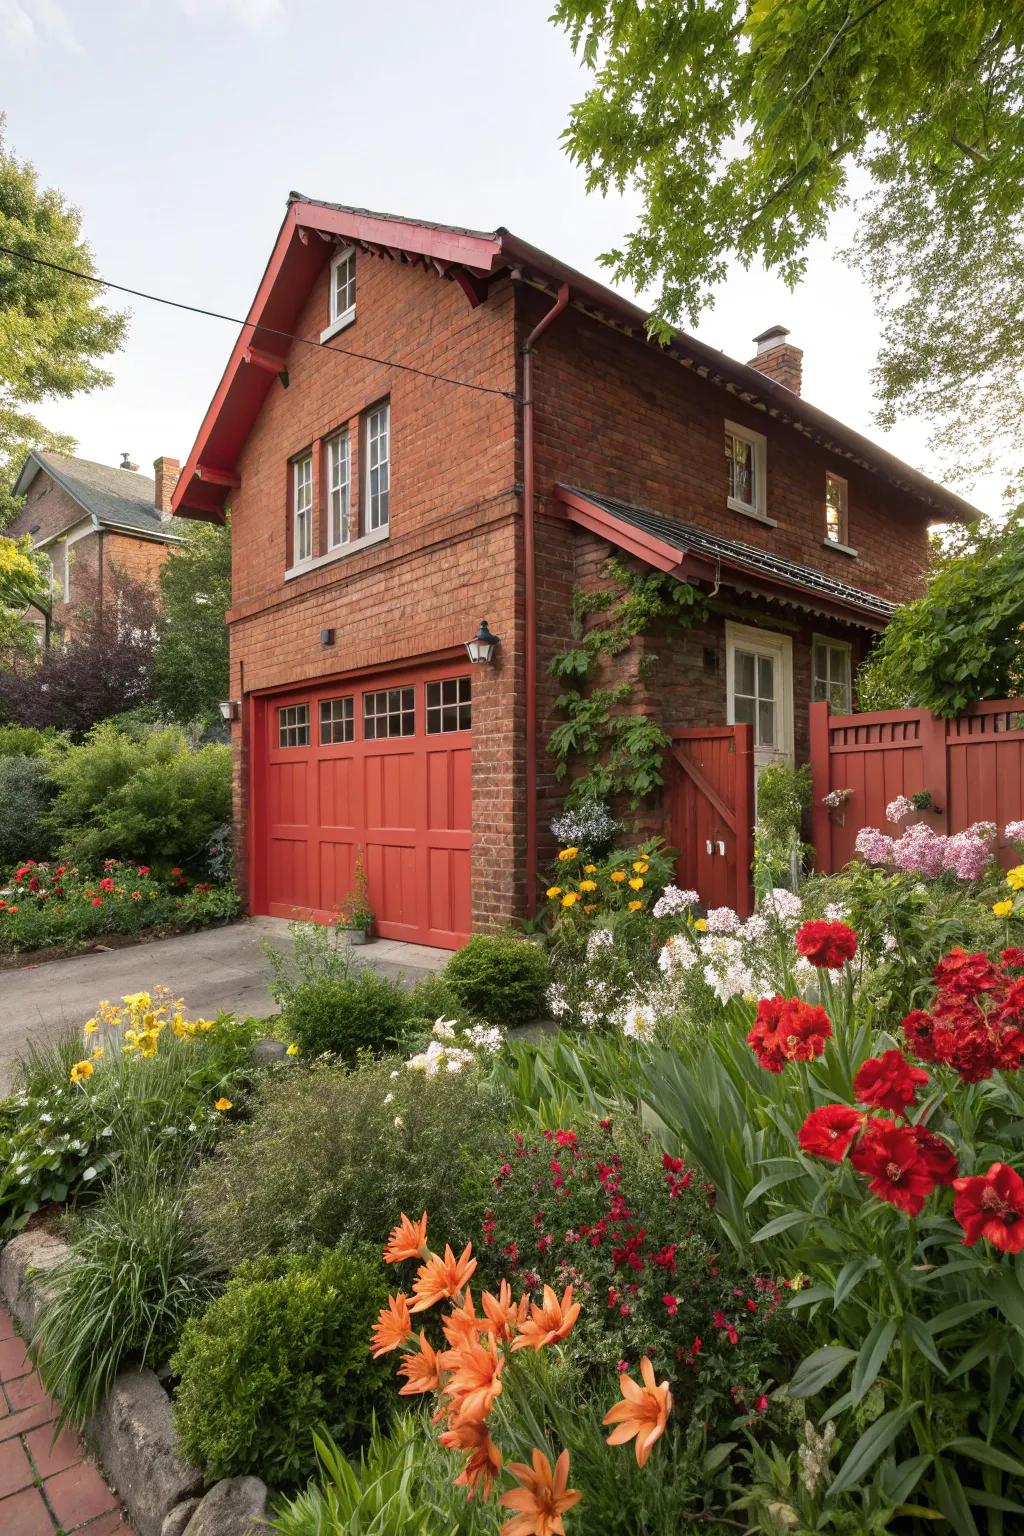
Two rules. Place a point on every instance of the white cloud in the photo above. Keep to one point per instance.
(251, 13)
(26, 25)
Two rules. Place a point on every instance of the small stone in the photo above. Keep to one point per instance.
(269, 1050)
(25, 1263)
(179, 1517)
(236, 1506)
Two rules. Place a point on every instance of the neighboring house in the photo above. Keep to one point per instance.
(93, 521)
(378, 513)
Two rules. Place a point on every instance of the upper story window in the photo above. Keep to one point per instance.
(835, 509)
(746, 456)
(339, 478)
(342, 291)
(832, 674)
(302, 508)
(377, 475)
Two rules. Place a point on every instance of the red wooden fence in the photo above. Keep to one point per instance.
(709, 787)
(972, 766)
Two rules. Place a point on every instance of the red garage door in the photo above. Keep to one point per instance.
(385, 767)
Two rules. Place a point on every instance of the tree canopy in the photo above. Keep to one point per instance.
(190, 675)
(747, 124)
(52, 327)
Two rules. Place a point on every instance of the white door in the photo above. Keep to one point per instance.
(759, 679)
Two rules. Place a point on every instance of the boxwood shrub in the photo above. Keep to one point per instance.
(500, 978)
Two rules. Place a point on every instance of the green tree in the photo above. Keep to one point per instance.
(964, 639)
(191, 667)
(25, 582)
(746, 124)
(52, 327)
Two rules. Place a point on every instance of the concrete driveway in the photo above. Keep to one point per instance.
(217, 969)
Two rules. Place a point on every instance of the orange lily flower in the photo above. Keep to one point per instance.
(549, 1322)
(439, 1278)
(503, 1315)
(421, 1369)
(543, 1498)
(483, 1461)
(643, 1412)
(462, 1326)
(393, 1326)
(476, 1379)
(407, 1241)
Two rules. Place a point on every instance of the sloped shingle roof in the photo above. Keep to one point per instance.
(117, 498)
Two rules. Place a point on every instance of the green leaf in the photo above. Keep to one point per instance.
(1005, 1289)
(954, 1315)
(949, 1495)
(717, 1454)
(876, 1439)
(980, 1450)
(850, 1276)
(769, 1182)
(780, 1224)
(873, 1353)
(819, 1369)
(923, 1342)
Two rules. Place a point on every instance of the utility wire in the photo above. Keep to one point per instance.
(255, 325)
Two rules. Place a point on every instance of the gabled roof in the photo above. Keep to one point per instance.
(113, 498)
(695, 554)
(473, 259)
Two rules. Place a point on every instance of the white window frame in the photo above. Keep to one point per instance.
(302, 509)
(745, 637)
(757, 508)
(377, 502)
(826, 676)
(338, 319)
(339, 489)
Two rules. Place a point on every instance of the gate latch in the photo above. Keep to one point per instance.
(709, 845)
(721, 848)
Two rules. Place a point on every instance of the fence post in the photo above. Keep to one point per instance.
(743, 736)
(935, 764)
(821, 821)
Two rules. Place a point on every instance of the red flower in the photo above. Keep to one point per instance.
(788, 1029)
(936, 1156)
(827, 945)
(889, 1082)
(891, 1157)
(143, 869)
(992, 1206)
(828, 1132)
(175, 870)
(97, 901)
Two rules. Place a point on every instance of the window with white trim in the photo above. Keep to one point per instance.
(302, 508)
(293, 725)
(377, 487)
(449, 706)
(832, 674)
(835, 508)
(339, 490)
(337, 721)
(746, 456)
(389, 712)
(343, 287)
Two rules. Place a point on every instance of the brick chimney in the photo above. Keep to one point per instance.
(165, 474)
(777, 358)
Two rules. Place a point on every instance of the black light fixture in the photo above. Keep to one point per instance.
(483, 645)
(327, 637)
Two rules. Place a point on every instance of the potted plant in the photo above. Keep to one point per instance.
(355, 916)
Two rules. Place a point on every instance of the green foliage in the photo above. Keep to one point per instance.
(620, 752)
(745, 128)
(283, 1351)
(361, 1011)
(316, 956)
(54, 326)
(25, 741)
(26, 792)
(25, 577)
(136, 1271)
(783, 798)
(156, 801)
(331, 1153)
(499, 977)
(190, 668)
(962, 641)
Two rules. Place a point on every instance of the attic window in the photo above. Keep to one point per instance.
(835, 509)
(342, 292)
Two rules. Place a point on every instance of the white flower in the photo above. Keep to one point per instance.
(486, 1037)
(722, 920)
(835, 912)
(601, 938)
(558, 1002)
(399, 1122)
(898, 808)
(677, 954)
(781, 903)
(637, 1021)
(444, 1029)
(392, 1074)
(389, 1098)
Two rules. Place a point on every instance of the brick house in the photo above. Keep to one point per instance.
(421, 425)
(94, 522)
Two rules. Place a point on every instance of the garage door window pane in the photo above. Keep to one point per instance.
(449, 706)
(337, 721)
(390, 712)
(293, 726)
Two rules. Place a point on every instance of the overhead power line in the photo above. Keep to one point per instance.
(255, 325)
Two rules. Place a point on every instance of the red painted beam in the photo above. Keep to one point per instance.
(218, 477)
(265, 360)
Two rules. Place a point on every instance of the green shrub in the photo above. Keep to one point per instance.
(152, 800)
(135, 1272)
(347, 1014)
(26, 741)
(26, 791)
(283, 1351)
(330, 1153)
(501, 979)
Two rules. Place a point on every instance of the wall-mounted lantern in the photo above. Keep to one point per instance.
(483, 646)
(230, 709)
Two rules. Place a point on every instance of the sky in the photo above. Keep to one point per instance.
(178, 128)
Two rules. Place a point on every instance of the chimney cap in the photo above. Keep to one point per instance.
(126, 462)
(772, 337)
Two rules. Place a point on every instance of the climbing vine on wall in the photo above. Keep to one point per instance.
(622, 752)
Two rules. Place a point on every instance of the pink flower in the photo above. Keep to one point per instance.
(898, 808)
(873, 846)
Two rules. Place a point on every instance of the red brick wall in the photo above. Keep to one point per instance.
(451, 554)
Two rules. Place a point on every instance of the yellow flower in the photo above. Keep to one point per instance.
(641, 866)
(636, 906)
(1003, 908)
(223, 1105)
(590, 869)
(292, 1050)
(570, 899)
(636, 884)
(701, 925)
(553, 891)
(81, 1071)
(618, 875)
(204, 1024)
(588, 885)
(1015, 878)
(91, 1026)
(567, 854)
(97, 1052)
(147, 1043)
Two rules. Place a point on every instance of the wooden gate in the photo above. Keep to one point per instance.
(709, 787)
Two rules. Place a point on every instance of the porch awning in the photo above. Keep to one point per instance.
(695, 554)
